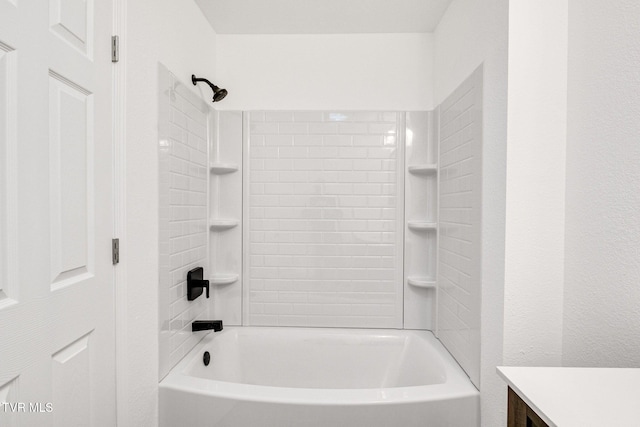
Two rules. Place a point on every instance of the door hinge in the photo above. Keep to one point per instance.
(115, 48)
(115, 251)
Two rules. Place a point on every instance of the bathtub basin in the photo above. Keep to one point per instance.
(311, 377)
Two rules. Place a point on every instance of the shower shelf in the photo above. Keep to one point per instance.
(219, 168)
(223, 279)
(219, 224)
(421, 282)
(425, 169)
(422, 226)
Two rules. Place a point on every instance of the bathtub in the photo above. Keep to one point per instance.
(307, 377)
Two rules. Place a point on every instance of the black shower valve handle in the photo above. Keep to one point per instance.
(195, 284)
(204, 284)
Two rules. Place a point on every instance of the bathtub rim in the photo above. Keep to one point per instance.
(456, 386)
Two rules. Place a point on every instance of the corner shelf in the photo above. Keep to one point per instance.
(422, 226)
(220, 224)
(220, 168)
(422, 282)
(223, 279)
(425, 169)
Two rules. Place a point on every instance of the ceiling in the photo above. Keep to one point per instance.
(323, 16)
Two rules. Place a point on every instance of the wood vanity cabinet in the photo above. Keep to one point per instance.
(519, 414)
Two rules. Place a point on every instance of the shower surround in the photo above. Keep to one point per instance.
(324, 219)
(347, 219)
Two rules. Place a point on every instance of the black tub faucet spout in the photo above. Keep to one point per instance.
(205, 325)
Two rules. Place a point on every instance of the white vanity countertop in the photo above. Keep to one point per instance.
(578, 397)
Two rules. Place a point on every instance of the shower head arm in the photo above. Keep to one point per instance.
(195, 80)
(218, 94)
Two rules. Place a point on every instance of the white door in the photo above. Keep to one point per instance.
(56, 279)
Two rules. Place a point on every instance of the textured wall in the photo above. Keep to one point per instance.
(602, 270)
(534, 253)
(7, 159)
(324, 220)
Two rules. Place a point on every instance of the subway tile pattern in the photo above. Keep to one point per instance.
(183, 214)
(323, 220)
(459, 217)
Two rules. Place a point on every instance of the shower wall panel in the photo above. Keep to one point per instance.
(183, 213)
(459, 215)
(324, 219)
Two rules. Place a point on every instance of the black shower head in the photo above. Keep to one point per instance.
(218, 94)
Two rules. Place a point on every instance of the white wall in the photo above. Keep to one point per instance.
(537, 128)
(321, 72)
(7, 159)
(472, 33)
(176, 34)
(602, 295)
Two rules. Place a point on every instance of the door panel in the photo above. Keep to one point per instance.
(56, 279)
(72, 21)
(70, 178)
(71, 384)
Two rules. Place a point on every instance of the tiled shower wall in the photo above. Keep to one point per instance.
(183, 214)
(324, 219)
(460, 209)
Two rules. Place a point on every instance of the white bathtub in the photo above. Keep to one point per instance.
(299, 377)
